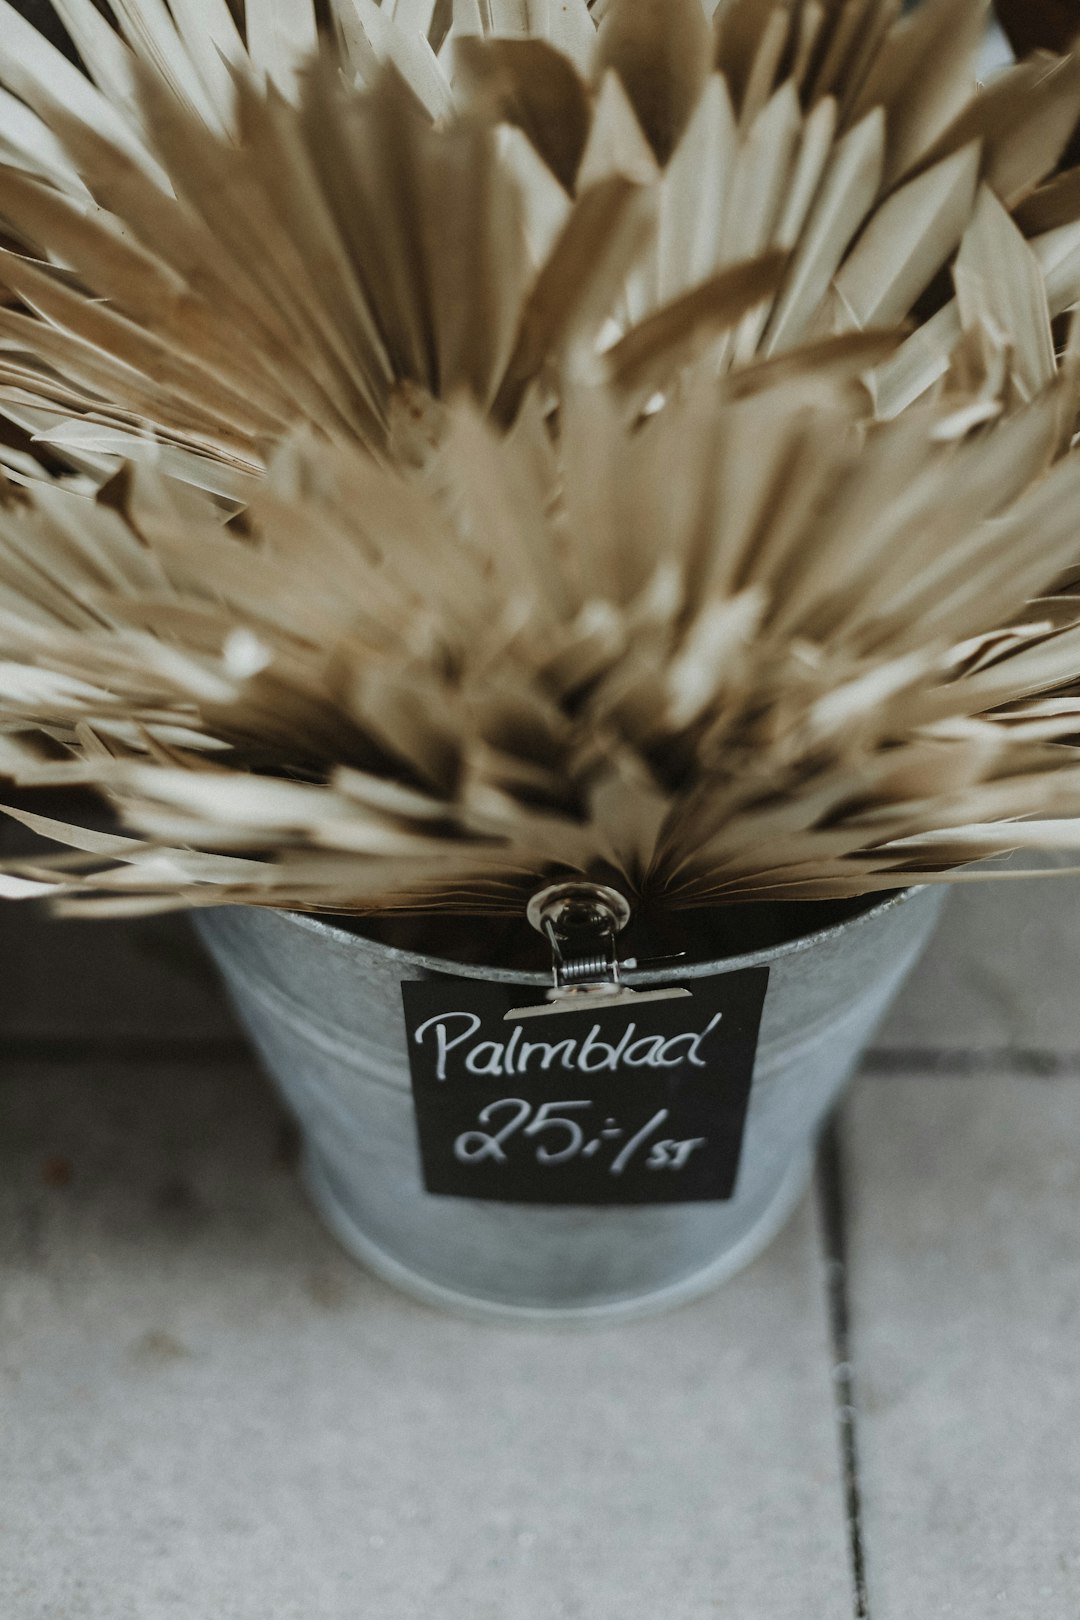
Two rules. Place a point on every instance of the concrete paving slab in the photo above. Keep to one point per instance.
(965, 1305)
(207, 1410)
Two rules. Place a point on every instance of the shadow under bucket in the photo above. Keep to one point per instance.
(323, 1005)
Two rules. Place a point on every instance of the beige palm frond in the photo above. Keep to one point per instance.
(342, 263)
(223, 237)
(849, 137)
(746, 648)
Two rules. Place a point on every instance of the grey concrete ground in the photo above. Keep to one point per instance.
(207, 1412)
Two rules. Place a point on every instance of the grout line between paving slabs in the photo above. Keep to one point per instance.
(1028, 1062)
(124, 1049)
(831, 1190)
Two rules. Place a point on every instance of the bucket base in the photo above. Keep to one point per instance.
(789, 1196)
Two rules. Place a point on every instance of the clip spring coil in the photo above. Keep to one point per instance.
(581, 922)
(583, 969)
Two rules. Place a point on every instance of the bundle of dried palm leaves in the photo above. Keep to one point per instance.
(736, 649)
(217, 236)
(512, 462)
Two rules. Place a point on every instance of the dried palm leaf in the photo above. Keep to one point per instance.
(220, 237)
(735, 649)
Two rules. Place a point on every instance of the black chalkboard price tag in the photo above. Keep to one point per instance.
(639, 1102)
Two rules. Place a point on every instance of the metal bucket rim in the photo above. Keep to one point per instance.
(652, 976)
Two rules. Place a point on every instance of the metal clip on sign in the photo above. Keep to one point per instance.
(582, 922)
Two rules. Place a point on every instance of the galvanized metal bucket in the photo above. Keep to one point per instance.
(323, 1006)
